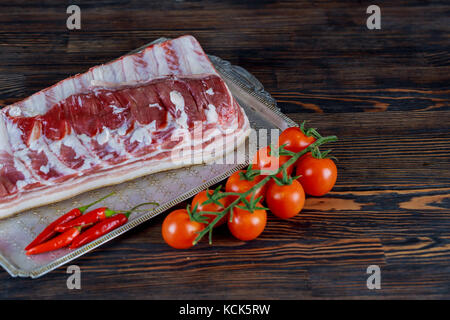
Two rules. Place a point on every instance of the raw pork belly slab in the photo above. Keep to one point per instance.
(116, 122)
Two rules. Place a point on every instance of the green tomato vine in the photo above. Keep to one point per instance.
(241, 200)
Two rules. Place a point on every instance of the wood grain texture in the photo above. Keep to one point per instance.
(384, 93)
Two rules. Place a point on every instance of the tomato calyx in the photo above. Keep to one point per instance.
(311, 132)
(317, 154)
(250, 174)
(250, 205)
(194, 214)
(286, 180)
(281, 151)
(214, 197)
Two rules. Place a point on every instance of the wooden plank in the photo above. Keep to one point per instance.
(305, 47)
(323, 253)
(385, 94)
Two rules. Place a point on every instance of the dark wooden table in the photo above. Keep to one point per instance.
(385, 93)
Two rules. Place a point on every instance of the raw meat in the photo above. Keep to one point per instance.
(134, 116)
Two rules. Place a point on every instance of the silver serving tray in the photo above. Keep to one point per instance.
(167, 188)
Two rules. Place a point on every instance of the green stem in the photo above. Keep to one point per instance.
(84, 208)
(110, 213)
(240, 196)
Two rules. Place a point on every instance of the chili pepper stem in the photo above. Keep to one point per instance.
(127, 213)
(84, 208)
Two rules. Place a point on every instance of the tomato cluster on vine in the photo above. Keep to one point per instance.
(269, 180)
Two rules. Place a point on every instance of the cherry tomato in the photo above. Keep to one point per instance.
(295, 139)
(236, 183)
(201, 197)
(179, 231)
(246, 225)
(285, 201)
(318, 176)
(263, 160)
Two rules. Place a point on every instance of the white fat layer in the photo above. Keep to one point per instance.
(23, 156)
(15, 135)
(20, 154)
(28, 178)
(104, 84)
(39, 145)
(155, 105)
(21, 184)
(123, 129)
(211, 114)
(104, 136)
(89, 163)
(210, 91)
(45, 169)
(182, 120)
(15, 111)
(116, 109)
(72, 142)
(182, 133)
(80, 101)
(4, 136)
(117, 146)
(178, 100)
(84, 138)
(38, 103)
(143, 134)
(160, 56)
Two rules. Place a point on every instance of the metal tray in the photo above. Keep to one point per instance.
(167, 188)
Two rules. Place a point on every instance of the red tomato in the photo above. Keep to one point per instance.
(263, 160)
(237, 184)
(201, 197)
(285, 201)
(246, 225)
(179, 231)
(318, 176)
(295, 139)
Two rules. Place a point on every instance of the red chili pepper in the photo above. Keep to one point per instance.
(89, 218)
(50, 231)
(56, 243)
(104, 227)
(99, 230)
(94, 216)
